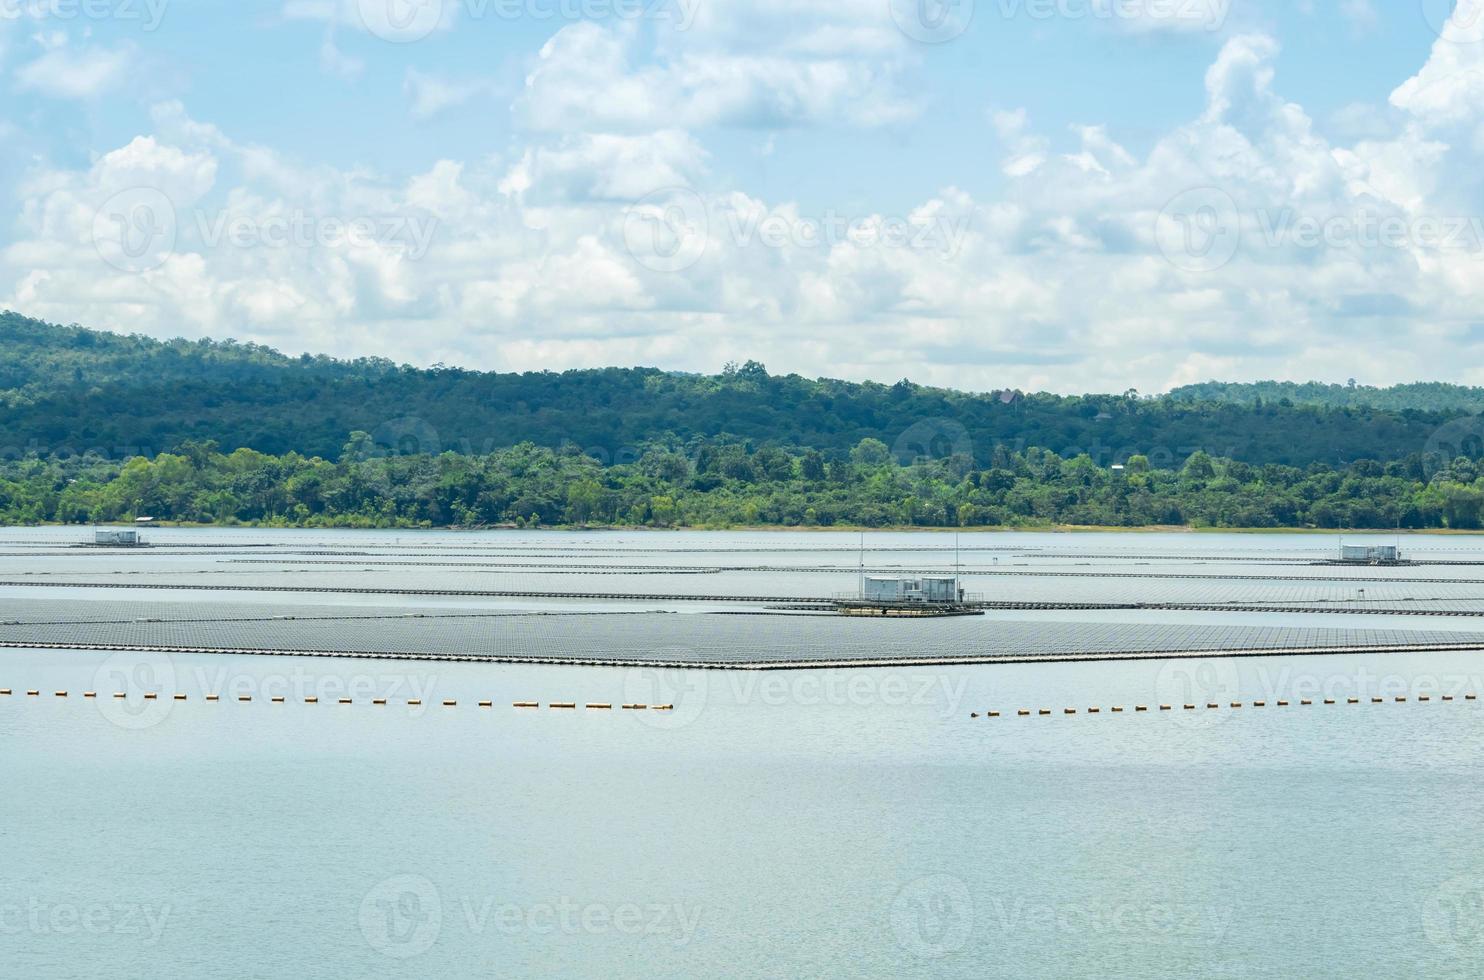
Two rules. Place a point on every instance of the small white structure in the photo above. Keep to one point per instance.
(1370, 554)
(928, 588)
(117, 539)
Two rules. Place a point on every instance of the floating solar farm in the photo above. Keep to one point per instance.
(726, 600)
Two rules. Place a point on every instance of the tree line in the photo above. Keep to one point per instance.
(726, 483)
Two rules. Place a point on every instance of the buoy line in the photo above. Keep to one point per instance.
(1229, 705)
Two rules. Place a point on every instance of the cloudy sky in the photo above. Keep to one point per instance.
(1067, 195)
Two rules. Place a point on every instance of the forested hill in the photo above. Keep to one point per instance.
(67, 389)
(1427, 396)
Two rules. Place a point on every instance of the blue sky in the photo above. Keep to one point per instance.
(1062, 194)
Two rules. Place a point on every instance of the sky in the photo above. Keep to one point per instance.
(1062, 195)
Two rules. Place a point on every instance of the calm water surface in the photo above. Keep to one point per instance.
(801, 824)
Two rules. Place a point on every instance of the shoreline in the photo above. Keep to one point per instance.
(831, 529)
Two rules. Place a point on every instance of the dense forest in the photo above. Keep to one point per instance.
(720, 484)
(68, 390)
(101, 427)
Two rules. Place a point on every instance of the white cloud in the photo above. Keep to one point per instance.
(1063, 280)
(429, 95)
(63, 72)
(591, 77)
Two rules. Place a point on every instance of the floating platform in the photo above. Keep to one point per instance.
(651, 638)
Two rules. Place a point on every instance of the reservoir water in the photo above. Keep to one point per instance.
(813, 822)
